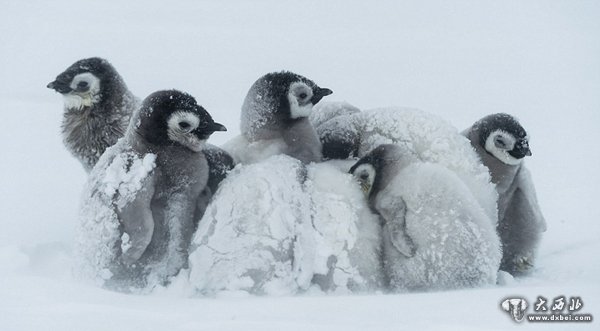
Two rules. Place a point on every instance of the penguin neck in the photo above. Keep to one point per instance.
(183, 168)
(502, 174)
(88, 133)
(186, 171)
(116, 97)
(302, 141)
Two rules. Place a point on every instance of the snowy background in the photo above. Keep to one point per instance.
(538, 60)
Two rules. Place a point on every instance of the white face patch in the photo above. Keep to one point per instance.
(179, 128)
(299, 99)
(85, 91)
(365, 174)
(499, 143)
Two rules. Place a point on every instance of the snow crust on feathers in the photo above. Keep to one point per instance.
(456, 242)
(245, 241)
(342, 246)
(246, 152)
(278, 227)
(112, 184)
(431, 138)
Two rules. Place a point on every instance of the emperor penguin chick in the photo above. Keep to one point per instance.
(97, 108)
(147, 192)
(502, 144)
(436, 236)
(274, 119)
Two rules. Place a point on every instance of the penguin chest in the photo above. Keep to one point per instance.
(178, 191)
(87, 135)
(182, 178)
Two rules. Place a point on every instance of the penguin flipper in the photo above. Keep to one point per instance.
(401, 241)
(522, 227)
(396, 222)
(525, 201)
(138, 222)
(219, 163)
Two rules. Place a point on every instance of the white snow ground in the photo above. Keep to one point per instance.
(539, 60)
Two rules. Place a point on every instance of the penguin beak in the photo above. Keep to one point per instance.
(217, 127)
(319, 94)
(205, 132)
(521, 150)
(59, 87)
(524, 146)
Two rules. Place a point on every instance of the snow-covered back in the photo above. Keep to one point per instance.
(279, 227)
(459, 60)
(246, 152)
(342, 246)
(455, 240)
(327, 110)
(112, 184)
(430, 137)
(245, 241)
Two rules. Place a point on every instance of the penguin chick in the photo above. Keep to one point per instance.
(149, 188)
(436, 236)
(274, 119)
(246, 240)
(336, 124)
(345, 131)
(97, 108)
(219, 164)
(502, 144)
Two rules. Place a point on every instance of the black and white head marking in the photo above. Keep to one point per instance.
(179, 128)
(85, 91)
(283, 96)
(379, 163)
(506, 148)
(502, 136)
(86, 82)
(302, 98)
(299, 98)
(365, 174)
(174, 118)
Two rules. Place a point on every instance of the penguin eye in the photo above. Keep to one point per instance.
(499, 142)
(184, 125)
(364, 176)
(82, 86)
(303, 95)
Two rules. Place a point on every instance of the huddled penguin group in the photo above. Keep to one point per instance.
(311, 196)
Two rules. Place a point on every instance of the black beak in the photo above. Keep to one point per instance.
(217, 127)
(319, 93)
(521, 150)
(524, 146)
(204, 132)
(59, 87)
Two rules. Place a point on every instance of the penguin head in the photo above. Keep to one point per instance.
(301, 97)
(502, 136)
(365, 173)
(172, 117)
(87, 82)
(373, 171)
(283, 97)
